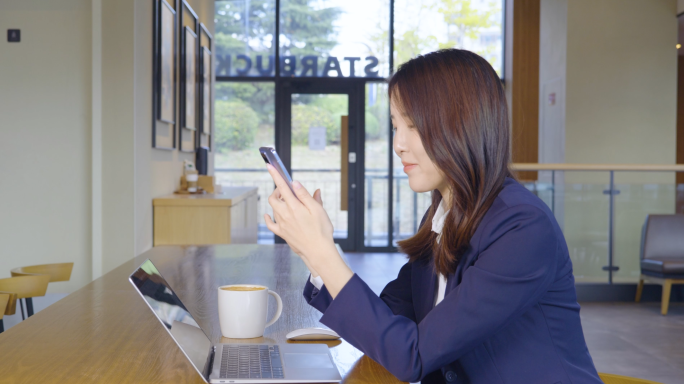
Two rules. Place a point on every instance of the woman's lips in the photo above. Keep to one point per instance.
(408, 166)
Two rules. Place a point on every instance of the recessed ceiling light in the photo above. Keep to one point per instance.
(679, 46)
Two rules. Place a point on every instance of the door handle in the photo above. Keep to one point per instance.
(344, 162)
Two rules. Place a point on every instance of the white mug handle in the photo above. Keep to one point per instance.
(279, 310)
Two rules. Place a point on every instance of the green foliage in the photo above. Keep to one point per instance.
(232, 32)
(410, 44)
(463, 21)
(305, 116)
(235, 125)
(307, 29)
(259, 96)
(376, 117)
(372, 126)
(245, 26)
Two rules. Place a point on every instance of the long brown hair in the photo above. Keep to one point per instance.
(456, 101)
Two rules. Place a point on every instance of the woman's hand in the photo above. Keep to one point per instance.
(304, 224)
(301, 220)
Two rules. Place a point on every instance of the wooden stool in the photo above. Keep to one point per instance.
(57, 272)
(8, 305)
(25, 287)
(617, 379)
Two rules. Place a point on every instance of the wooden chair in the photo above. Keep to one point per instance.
(8, 306)
(25, 287)
(662, 255)
(608, 378)
(57, 272)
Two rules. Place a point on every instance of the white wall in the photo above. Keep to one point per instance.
(133, 172)
(553, 32)
(508, 59)
(118, 128)
(620, 108)
(157, 172)
(621, 81)
(45, 137)
(52, 84)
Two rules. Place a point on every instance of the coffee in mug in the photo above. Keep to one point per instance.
(242, 288)
(243, 309)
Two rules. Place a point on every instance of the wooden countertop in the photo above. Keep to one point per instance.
(104, 332)
(229, 196)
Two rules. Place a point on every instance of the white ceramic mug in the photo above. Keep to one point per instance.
(242, 313)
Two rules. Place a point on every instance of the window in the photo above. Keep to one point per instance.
(244, 38)
(244, 119)
(424, 26)
(349, 44)
(334, 38)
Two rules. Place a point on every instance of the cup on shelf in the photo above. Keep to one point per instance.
(191, 178)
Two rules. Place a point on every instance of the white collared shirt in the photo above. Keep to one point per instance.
(437, 225)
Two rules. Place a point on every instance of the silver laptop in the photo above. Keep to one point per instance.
(231, 363)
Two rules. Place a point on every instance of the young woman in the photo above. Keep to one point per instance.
(487, 295)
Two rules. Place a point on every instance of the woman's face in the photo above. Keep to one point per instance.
(422, 173)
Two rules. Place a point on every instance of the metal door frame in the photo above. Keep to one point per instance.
(356, 93)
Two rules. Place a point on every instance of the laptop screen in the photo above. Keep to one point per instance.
(172, 313)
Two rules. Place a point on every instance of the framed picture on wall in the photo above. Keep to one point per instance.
(164, 79)
(167, 66)
(205, 57)
(206, 85)
(190, 78)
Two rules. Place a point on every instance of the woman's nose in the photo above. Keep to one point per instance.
(400, 143)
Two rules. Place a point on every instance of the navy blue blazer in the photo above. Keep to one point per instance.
(509, 315)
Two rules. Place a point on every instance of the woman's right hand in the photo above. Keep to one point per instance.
(318, 198)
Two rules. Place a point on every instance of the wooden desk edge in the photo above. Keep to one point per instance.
(206, 200)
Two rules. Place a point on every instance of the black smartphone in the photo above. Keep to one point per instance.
(270, 156)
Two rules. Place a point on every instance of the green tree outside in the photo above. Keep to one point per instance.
(247, 27)
(235, 125)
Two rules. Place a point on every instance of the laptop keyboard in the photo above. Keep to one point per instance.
(251, 362)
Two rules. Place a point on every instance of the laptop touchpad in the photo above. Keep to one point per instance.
(307, 360)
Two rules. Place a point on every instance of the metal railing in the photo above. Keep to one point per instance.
(328, 180)
(596, 205)
(547, 188)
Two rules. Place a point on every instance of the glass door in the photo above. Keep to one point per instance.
(319, 138)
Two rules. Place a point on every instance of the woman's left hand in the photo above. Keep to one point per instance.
(303, 223)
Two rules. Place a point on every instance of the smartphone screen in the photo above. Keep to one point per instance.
(270, 156)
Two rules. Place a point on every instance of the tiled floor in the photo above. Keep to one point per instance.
(623, 338)
(636, 340)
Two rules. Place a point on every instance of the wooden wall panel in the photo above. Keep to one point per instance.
(525, 114)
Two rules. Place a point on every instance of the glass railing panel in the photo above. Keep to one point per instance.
(583, 215)
(584, 219)
(640, 194)
(581, 208)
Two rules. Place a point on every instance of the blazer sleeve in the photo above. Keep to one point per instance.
(398, 294)
(514, 269)
(317, 298)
